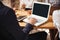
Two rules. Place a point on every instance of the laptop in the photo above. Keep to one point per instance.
(40, 11)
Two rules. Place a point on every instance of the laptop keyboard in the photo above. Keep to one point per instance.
(39, 20)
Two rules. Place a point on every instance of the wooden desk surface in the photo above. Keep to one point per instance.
(48, 24)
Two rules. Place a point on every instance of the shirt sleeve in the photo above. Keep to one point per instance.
(56, 19)
(28, 28)
(9, 21)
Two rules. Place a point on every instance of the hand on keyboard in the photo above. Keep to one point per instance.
(32, 21)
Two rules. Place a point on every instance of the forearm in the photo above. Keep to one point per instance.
(28, 28)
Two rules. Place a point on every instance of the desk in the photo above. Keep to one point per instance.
(48, 25)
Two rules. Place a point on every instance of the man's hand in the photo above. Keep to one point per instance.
(32, 21)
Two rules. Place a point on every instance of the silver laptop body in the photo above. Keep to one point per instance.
(40, 11)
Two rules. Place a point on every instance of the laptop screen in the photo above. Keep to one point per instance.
(40, 9)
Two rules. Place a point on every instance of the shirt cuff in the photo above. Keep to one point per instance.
(28, 28)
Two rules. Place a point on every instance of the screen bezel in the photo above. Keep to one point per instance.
(43, 4)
